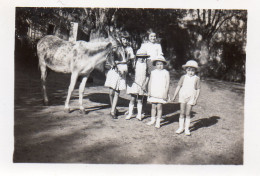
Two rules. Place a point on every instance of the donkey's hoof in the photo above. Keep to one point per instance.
(45, 103)
(82, 111)
(67, 110)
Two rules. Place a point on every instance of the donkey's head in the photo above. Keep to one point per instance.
(118, 51)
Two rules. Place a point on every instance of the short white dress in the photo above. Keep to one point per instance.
(135, 86)
(115, 80)
(189, 85)
(159, 85)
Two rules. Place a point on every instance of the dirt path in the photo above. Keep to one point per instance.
(46, 134)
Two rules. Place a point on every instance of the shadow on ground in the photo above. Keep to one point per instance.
(204, 122)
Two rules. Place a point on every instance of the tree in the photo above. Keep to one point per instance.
(203, 25)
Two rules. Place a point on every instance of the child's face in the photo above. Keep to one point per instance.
(141, 59)
(152, 37)
(190, 71)
(159, 65)
(124, 41)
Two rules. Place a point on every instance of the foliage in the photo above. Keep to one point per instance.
(216, 38)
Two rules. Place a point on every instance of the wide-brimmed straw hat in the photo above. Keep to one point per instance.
(141, 53)
(159, 58)
(191, 63)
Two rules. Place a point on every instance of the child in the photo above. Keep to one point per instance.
(158, 89)
(136, 86)
(189, 87)
(154, 49)
(115, 78)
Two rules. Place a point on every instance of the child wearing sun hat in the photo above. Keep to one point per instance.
(158, 89)
(136, 87)
(189, 90)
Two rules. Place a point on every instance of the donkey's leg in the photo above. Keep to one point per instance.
(81, 92)
(43, 69)
(73, 80)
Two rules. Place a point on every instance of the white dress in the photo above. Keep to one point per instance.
(134, 86)
(159, 85)
(189, 85)
(153, 50)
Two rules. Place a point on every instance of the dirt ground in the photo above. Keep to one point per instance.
(46, 134)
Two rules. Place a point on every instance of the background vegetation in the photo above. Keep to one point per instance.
(215, 38)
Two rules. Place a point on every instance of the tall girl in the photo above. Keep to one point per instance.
(189, 90)
(154, 49)
(116, 76)
(136, 87)
(158, 90)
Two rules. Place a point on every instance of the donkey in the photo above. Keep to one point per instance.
(78, 58)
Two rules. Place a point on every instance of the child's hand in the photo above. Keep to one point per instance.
(173, 98)
(143, 87)
(169, 99)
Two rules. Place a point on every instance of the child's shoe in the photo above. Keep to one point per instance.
(130, 111)
(187, 126)
(128, 117)
(152, 121)
(179, 131)
(157, 123)
(139, 117)
(139, 111)
(187, 132)
(181, 124)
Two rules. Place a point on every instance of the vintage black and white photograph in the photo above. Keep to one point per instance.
(129, 85)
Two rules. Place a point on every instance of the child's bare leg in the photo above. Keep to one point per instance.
(187, 121)
(131, 107)
(144, 104)
(181, 119)
(114, 103)
(111, 95)
(153, 114)
(159, 115)
(139, 107)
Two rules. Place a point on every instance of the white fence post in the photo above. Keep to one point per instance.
(73, 31)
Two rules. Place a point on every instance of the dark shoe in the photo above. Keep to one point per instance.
(113, 115)
(117, 112)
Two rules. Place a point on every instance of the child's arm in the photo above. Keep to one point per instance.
(167, 86)
(176, 92)
(196, 96)
(145, 83)
(197, 87)
(149, 86)
(178, 88)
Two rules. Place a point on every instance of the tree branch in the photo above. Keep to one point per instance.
(216, 29)
(209, 17)
(213, 19)
(198, 13)
(204, 16)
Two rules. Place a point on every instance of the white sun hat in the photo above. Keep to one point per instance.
(191, 63)
(141, 53)
(160, 58)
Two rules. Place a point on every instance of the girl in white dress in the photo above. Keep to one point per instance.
(158, 89)
(136, 87)
(152, 48)
(189, 90)
(116, 76)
